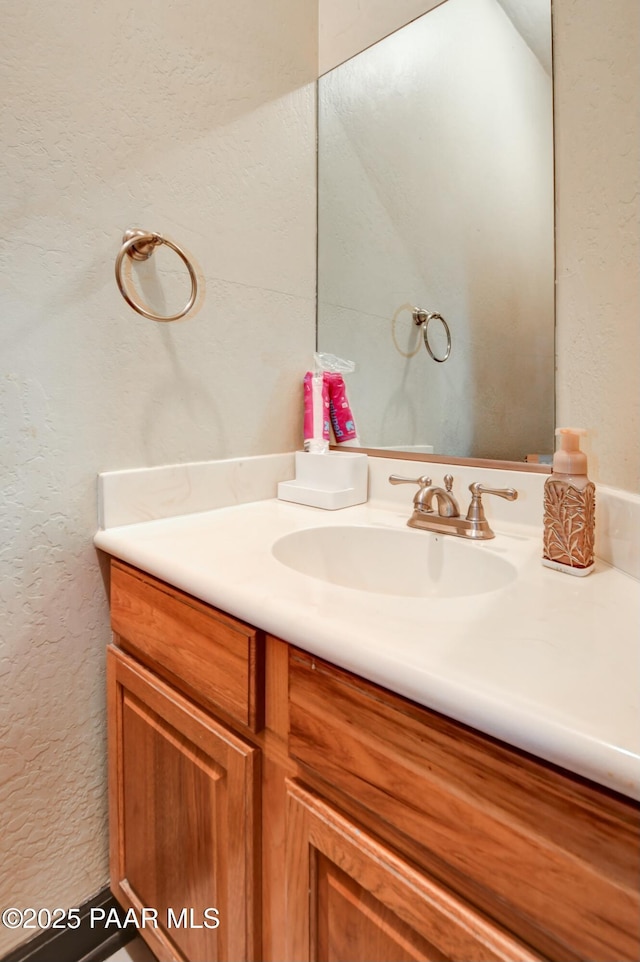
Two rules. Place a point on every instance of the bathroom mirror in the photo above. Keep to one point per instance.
(435, 186)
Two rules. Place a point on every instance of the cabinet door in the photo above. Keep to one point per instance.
(183, 794)
(350, 899)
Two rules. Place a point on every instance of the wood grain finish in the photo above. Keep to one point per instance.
(555, 859)
(184, 819)
(346, 823)
(215, 659)
(351, 898)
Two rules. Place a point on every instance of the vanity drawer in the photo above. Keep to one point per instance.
(551, 857)
(212, 657)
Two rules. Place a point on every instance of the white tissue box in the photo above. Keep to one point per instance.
(337, 479)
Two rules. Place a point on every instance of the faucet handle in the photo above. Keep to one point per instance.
(477, 489)
(476, 510)
(422, 481)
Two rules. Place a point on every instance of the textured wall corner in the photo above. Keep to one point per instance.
(348, 26)
(200, 125)
(597, 106)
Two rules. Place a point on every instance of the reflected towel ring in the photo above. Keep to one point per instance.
(423, 319)
(139, 245)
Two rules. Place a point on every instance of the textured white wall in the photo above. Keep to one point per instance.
(198, 122)
(345, 27)
(436, 188)
(597, 106)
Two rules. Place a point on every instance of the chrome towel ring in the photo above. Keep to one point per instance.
(140, 245)
(423, 319)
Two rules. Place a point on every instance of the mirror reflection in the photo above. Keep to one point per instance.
(436, 196)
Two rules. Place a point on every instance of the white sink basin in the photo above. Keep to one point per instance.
(416, 564)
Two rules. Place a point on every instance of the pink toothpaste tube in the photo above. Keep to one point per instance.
(342, 420)
(316, 413)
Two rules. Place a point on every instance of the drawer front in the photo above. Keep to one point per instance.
(551, 857)
(350, 897)
(215, 659)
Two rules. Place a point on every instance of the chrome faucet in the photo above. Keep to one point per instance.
(447, 519)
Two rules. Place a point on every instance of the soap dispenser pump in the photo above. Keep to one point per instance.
(569, 508)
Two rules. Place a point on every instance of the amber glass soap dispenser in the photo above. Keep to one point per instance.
(569, 508)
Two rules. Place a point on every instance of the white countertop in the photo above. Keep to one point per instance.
(549, 664)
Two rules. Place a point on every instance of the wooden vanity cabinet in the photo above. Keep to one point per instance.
(328, 819)
(549, 858)
(184, 784)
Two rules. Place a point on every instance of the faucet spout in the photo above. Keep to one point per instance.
(445, 501)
